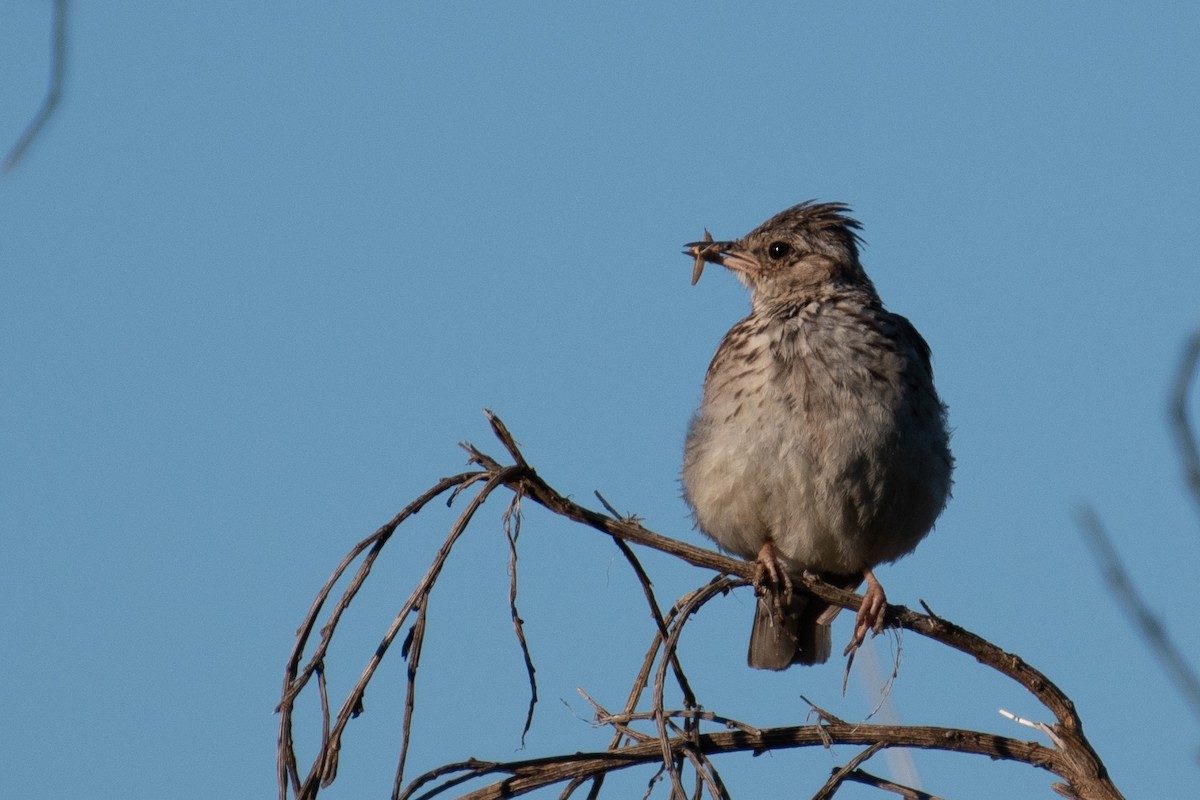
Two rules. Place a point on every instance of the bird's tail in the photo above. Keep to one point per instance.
(798, 633)
(801, 633)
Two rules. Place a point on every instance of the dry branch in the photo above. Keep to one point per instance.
(677, 743)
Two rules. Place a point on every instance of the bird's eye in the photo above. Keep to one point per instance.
(778, 250)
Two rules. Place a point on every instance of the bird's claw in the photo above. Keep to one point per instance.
(771, 579)
(871, 613)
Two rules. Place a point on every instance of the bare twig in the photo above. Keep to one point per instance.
(689, 698)
(667, 629)
(688, 606)
(839, 775)
(1037, 726)
(512, 531)
(58, 60)
(907, 792)
(605, 718)
(821, 714)
(411, 649)
(1185, 437)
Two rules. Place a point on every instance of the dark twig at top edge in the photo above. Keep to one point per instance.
(58, 61)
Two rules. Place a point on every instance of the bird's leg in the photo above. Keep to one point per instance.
(771, 578)
(870, 612)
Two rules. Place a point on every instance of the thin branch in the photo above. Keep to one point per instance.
(1037, 726)
(839, 775)
(1185, 436)
(58, 60)
(1144, 621)
(664, 627)
(907, 792)
(885, 690)
(621, 720)
(511, 521)
(411, 649)
(294, 678)
(688, 606)
(689, 697)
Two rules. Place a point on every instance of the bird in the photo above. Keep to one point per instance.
(820, 445)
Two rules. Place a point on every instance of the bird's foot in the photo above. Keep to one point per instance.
(770, 578)
(870, 613)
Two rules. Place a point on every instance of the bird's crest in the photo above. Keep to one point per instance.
(818, 219)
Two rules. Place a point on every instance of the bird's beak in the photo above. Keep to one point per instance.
(730, 255)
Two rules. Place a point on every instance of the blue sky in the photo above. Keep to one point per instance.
(265, 268)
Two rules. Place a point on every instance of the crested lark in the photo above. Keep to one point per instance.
(820, 443)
